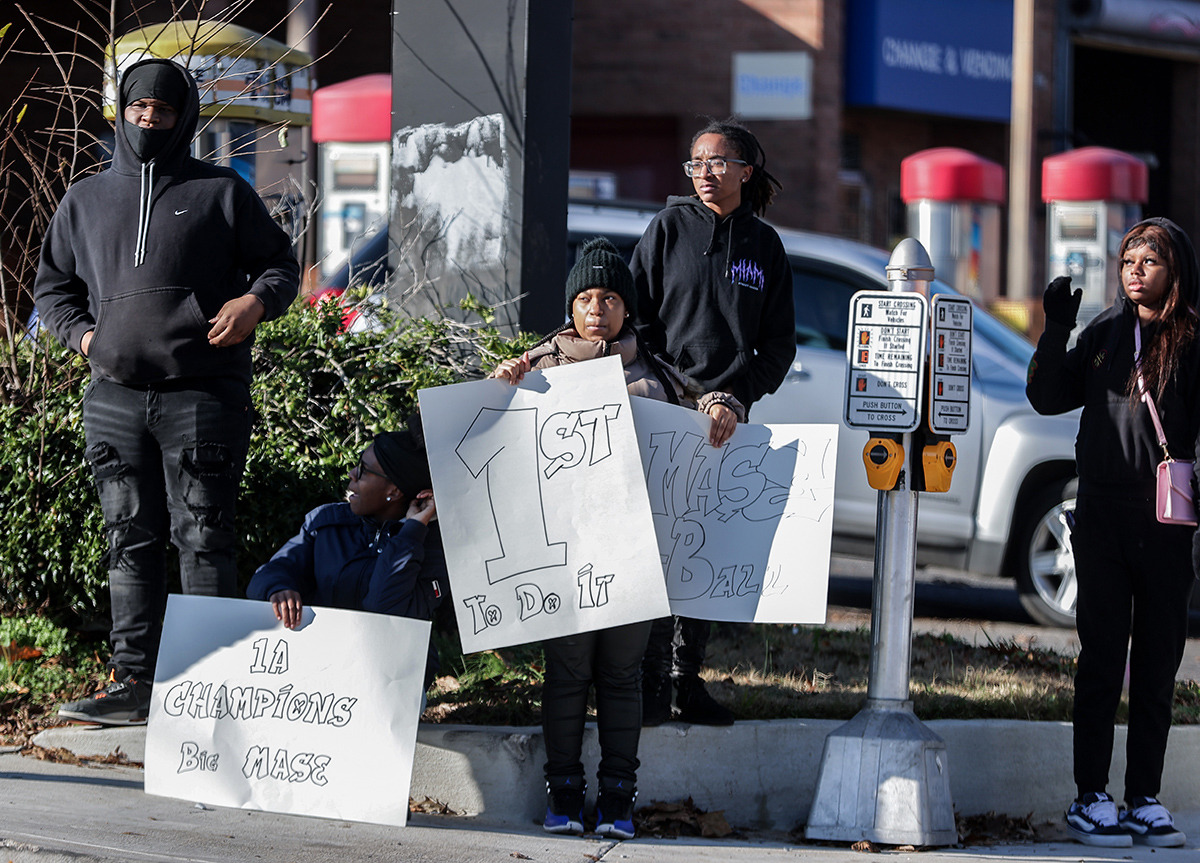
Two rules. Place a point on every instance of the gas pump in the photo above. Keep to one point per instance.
(255, 102)
(1094, 196)
(884, 776)
(953, 198)
(352, 124)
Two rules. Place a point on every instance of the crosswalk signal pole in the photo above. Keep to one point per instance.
(884, 776)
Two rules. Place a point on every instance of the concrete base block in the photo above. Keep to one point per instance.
(884, 777)
(762, 774)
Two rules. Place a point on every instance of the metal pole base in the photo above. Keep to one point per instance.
(884, 777)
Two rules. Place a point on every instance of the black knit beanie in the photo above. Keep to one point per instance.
(600, 265)
(402, 458)
(156, 80)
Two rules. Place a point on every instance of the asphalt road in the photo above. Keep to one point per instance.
(975, 608)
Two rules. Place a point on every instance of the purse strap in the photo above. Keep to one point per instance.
(1137, 361)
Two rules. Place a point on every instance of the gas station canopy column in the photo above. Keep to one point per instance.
(953, 198)
(1094, 196)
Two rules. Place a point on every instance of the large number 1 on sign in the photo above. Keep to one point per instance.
(508, 452)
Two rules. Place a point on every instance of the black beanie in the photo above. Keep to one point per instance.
(162, 80)
(402, 458)
(600, 265)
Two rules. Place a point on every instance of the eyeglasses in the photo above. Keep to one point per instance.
(361, 468)
(718, 166)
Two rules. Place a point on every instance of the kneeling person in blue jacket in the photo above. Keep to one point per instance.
(379, 551)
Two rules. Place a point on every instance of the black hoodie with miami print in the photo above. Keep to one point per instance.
(146, 252)
(715, 297)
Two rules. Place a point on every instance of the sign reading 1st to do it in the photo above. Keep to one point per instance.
(886, 352)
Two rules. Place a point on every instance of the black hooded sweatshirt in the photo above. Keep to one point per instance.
(715, 297)
(1116, 450)
(146, 253)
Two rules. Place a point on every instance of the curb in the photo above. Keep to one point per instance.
(762, 774)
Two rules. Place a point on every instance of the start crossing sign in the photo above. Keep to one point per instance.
(886, 352)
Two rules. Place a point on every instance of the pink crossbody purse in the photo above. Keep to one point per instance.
(1174, 479)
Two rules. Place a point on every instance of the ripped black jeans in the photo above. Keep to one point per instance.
(168, 462)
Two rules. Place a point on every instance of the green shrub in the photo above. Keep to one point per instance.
(64, 662)
(320, 394)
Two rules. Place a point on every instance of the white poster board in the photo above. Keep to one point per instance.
(542, 504)
(320, 720)
(744, 531)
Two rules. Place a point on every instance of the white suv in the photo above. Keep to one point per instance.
(1014, 485)
(1008, 507)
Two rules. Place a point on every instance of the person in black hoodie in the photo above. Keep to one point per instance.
(157, 270)
(714, 289)
(1134, 573)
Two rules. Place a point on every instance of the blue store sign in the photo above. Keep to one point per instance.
(931, 56)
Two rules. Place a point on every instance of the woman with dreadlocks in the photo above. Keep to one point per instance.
(1135, 371)
(714, 291)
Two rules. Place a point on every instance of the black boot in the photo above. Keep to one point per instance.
(656, 673)
(695, 705)
(656, 699)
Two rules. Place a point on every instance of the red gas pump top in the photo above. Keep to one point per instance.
(950, 174)
(358, 110)
(1094, 174)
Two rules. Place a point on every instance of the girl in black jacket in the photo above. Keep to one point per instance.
(1134, 573)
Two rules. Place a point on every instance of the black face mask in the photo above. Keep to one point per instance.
(146, 143)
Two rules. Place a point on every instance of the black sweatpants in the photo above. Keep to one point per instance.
(611, 659)
(1135, 580)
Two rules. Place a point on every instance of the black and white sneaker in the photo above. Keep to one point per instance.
(1092, 820)
(1149, 823)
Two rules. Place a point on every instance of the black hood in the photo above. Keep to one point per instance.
(1185, 259)
(178, 145)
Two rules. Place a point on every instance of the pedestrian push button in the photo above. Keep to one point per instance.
(937, 461)
(884, 459)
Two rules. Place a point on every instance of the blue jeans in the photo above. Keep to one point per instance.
(168, 461)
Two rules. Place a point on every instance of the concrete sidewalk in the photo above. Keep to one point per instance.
(761, 774)
(56, 813)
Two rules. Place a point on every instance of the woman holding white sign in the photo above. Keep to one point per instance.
(378, 551)
(600, 300)
(1135, 371)
(714, 288)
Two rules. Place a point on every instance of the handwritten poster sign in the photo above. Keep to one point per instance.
(320, 720)
(543, 507)
(744, 531)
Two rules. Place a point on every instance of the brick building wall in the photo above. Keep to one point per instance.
(673, 66)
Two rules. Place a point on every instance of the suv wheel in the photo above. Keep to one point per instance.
(1043, 558)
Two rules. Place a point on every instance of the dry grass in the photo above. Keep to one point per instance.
(766, 671)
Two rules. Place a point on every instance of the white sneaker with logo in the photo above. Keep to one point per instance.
(1092, 820)
(1149, 823)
